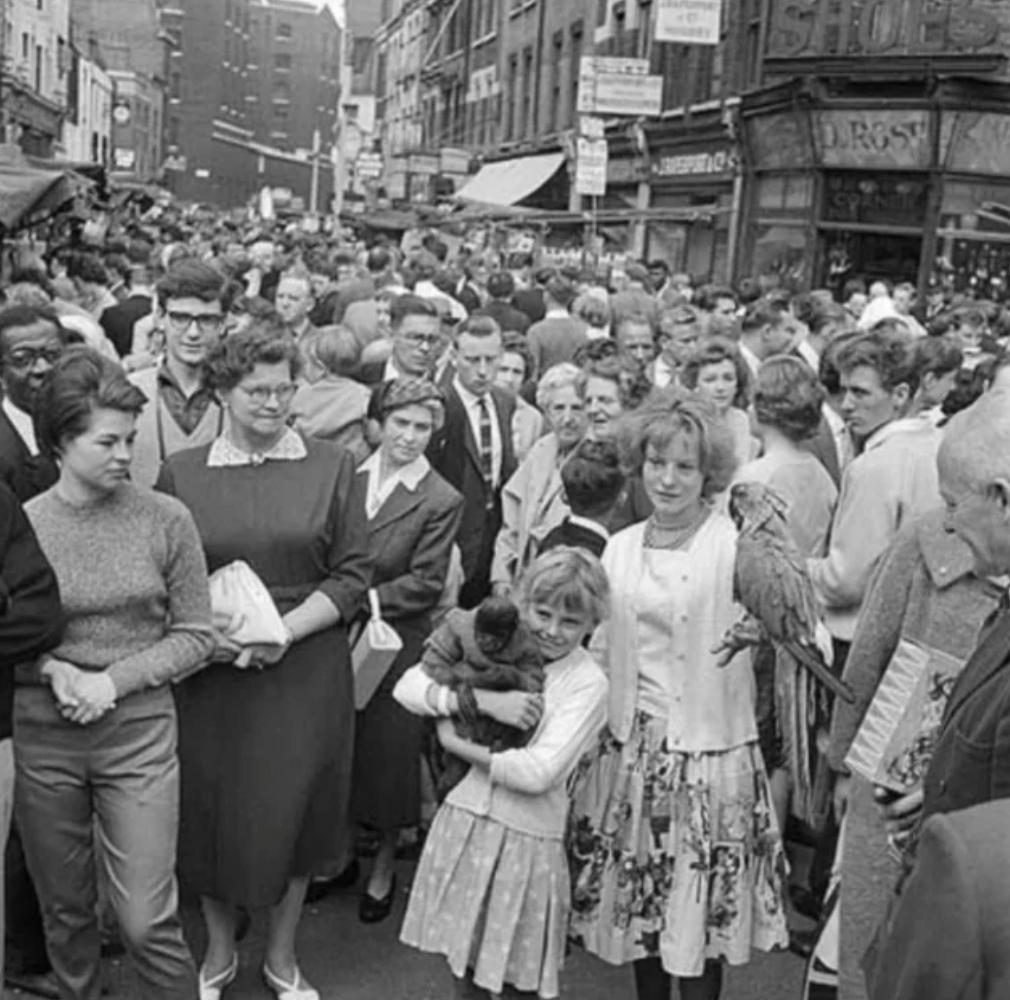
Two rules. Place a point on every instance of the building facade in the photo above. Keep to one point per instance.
(878, 147)
(36, 70)
(87, 127)
(127, 37)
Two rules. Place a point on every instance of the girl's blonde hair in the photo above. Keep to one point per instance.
(568, 578)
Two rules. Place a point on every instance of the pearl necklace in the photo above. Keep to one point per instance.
(659, 536)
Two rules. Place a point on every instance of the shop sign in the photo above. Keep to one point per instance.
(368, 165)
(622, 171)
(591, 167)
(868, 138)
(818, 28)
(688, 22)
(591, 127)
(454, 161)
(980, 143)
(125, 159)
(705, 163)
(780, 141)
(423, 163)
(616, 86)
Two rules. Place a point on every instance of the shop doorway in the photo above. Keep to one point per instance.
(868, 255)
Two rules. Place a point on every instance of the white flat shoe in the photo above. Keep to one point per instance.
(297, 990)
(211, 989)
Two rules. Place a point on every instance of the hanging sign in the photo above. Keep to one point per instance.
(689, 22)
(615, 86)
(591, 167)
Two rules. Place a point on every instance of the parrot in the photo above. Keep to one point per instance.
(772, 584)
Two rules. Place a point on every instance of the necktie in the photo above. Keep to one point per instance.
(486, 445)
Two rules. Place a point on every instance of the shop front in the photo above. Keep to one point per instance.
(883, 151)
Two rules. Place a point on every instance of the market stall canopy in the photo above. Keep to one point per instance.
(510, 181)
(28, 195)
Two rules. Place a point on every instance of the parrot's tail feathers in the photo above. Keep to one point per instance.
(809, 657)
(793, 689)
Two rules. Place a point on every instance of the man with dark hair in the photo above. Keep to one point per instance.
(593, 482)
(91, 282)
(182, 411)
(31, 340)
(416, 340)
(530, 299)
(558, 337)
(501, 287)
(473, 451)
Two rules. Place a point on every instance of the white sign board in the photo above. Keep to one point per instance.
(614, 86)
(688, 22)
(591, 127)
(368, 165)
(591, 167)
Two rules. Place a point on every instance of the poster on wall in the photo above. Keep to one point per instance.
(689, 22)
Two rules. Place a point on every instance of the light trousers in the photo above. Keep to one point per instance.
(115, 783)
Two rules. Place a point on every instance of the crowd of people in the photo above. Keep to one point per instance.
(525, 472)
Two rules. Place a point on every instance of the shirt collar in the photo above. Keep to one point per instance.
(223, 454)
(22, 423)
(167, 377)
(589, 525)
(410, 474)
(904, 425)
(469, 399)
(557, 313)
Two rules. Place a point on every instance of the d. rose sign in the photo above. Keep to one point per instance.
(818, 28)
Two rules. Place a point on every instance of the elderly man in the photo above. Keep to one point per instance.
(971, 761)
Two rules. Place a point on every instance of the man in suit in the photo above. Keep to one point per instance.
(950, 935)
(118, 321)
(31, 340)
(416, 342)
(556, 339)
(293, 301)
(473, 451)
(501, 286)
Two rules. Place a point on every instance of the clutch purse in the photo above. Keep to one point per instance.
(236, 592)
(896, 739)
(373, 654)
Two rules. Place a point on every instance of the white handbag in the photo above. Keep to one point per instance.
(236, 592)
(374, 652)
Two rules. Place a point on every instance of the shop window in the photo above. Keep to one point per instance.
(784, 192)
(555, 68)
(882, 199)
(282, 61)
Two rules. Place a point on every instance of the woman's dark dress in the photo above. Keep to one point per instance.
(266, 754)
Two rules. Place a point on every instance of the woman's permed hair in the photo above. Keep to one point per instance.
(668, 413)
(79, 383)
(570, 579)
(237, 356)
(715, 351)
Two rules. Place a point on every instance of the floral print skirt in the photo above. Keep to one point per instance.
(674, 855)
(494, 901)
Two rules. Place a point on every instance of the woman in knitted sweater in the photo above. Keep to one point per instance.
(94, 722)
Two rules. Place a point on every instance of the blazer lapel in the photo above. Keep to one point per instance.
(456, 405)
(399, 504)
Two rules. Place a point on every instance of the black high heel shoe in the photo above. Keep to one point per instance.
(374, 911)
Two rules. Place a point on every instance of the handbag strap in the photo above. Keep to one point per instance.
(373, 602)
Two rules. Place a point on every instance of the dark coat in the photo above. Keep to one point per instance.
(26, 474)
(31, 619)
(949, 938)
(411, 539)
(118, 321)
(971, 761)
(506, 316)
(455, 455)
(371, 373)
(531, 302)
(575, 536)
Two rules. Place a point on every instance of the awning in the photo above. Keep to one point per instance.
(509, 181)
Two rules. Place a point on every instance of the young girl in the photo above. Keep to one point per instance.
(492, 892)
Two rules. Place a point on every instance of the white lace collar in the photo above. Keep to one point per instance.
(223, 454)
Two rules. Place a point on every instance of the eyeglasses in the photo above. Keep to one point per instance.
(205, 322)
(29, 357)
(262, 394)
(430, 340)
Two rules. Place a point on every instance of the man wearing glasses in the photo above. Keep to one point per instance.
(416, 342)
(183, 411)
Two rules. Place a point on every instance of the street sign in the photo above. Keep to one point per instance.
(591, 127)
(591, 167)
(689, 22)
(368, 165)
(614, 86)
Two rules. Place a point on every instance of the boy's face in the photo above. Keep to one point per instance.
(557, 632)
